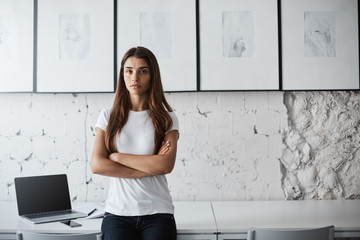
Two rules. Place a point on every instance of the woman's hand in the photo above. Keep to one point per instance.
(164, 148)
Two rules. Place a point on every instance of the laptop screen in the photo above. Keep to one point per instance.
(42, 194)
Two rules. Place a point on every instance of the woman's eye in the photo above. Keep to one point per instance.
(143, 71)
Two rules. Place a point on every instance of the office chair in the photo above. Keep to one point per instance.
(325, 233)
(48, 236)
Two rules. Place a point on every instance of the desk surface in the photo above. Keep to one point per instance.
(191, 217)
(241, 215)
(224, 217)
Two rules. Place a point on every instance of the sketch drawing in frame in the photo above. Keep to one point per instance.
(16, 45)
(238, 33)
(320, 45)
(75, 36)
(319, 34)
(75, 46)
(156, 32)
(168, 29)
(246, 55)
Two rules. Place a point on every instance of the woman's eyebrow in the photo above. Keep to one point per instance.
(139, 67)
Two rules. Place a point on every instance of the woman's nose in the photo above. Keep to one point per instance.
(134, 77)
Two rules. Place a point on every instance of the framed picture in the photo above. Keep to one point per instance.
(75, 46)
(168, 29)
(239, 48)
(320, 44)
(16, 45)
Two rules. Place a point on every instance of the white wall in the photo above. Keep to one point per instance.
(233, 145)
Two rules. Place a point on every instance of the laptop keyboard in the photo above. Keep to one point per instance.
(49, 214)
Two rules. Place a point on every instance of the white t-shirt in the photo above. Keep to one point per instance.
(140, 196)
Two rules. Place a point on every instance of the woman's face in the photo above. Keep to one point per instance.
(137, 76)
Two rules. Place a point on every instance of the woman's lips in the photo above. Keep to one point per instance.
(135, 86)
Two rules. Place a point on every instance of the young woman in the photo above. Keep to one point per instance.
(135, 145)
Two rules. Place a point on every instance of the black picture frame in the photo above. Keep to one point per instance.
(320, 45)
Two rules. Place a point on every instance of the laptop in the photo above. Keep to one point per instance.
(42, 199)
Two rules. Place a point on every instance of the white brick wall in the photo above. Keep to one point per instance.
(232, 146)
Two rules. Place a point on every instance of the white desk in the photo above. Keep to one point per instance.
(194, 220)
(221, 220)
(234, 218)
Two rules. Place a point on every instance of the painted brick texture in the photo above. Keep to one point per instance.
(232, 146)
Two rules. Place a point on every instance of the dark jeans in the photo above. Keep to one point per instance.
(149, 227)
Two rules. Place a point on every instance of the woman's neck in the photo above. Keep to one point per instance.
(138, 103)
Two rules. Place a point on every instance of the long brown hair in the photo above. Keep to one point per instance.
(157, 105)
